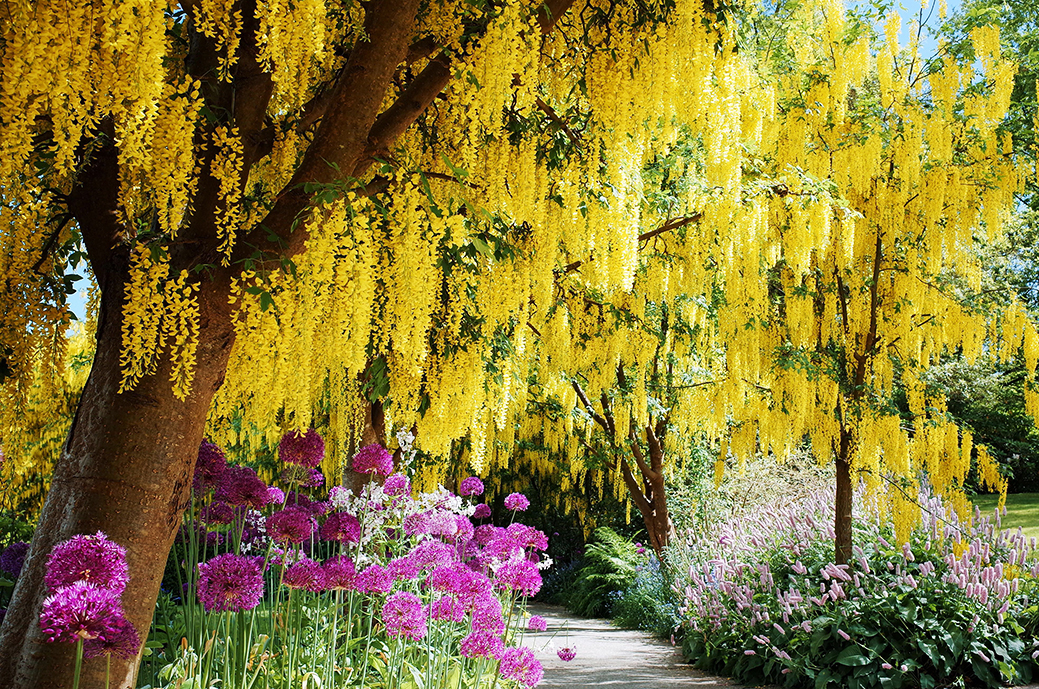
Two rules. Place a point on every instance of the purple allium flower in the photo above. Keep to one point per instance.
(314, 479)
(340, 573)
(403, 615)
(482, 511)
(566, 654)
(527, 536)
(217, 512)
(13, 558)
(94, 559)
(463, 529)
(482, 644)
(275, 496)
(397, 484)
(230, 583)
(520, 665)
(403, 568)
(302, 501)
(302, 449)
(341, 526)
(487, 615)
(471, 486)
(486, 533)
(537, 623)
(290, 525)
(517, 502)
(80, 610)
(430, 554)
(305, 574)
(374, 579)
(120, 640)
(241, 487)
(447, 608)
(448, 578)
(209, 467)
(373, 459)
(521, 576)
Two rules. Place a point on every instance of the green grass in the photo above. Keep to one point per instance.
(1022, 510)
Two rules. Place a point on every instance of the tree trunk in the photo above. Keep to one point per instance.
(374, 433)
(126, 469)
(842, 502)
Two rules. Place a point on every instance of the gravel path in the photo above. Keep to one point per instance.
(611, 657)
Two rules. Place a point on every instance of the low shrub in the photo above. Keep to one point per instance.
(763, 601)
(609, 567)
(648, 601)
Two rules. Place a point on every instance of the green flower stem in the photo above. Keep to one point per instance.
(79, 663)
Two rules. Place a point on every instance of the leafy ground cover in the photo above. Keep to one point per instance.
(1022, 510)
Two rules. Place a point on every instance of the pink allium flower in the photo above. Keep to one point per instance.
(217, 512)
(520, 665)
(80, 610)
(527, 536)
(373, 459)
(433, 523)
(275, 496)
(340, 573)
(463, 529)
(517, 502)
(230, 583)
(537, 623)
(241, 487)
(314, 479)
(305, 574)
(209, 467)
(342, 527)
(448, 577)
(521, 576)
(404, 615)
(487, 616)
(471, 486)
(403, 568)
(430, 554)
(374, 579)
(302, 449)
(290, 525)
(447, 608)
(485, 533)
(120, 640)
(566, 654)
(13, 558)
(94, 559)
(482, 644)
(397, 484)
(483, 511)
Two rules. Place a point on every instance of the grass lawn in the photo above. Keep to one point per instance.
(1022, 510)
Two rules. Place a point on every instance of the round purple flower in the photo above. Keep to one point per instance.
(517, 502)
(290, 525)
(314, 479)
(520, 665)
(430, 554)
(209, 467)
(471, 486)
(217, 512)
(374, 579)
(340, 573)
(120, 640)
(341, 526)
(241, 487)
(275, 496)
(94, 559)
(302, 501)
(482, 511)
(487, 615)
(521, 576)
(537, 623)
(396, 484)
(403, 615)
(13, 558)
(566, 654)
(482, 644)
(230, 583)
(305, 574)
(447, 608)
(463, 529)
(403, 568)
(80, 610)
(373, 459)
(302, 449)
(527, 536)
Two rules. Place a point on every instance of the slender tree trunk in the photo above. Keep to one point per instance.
(842, 502)
(125, 469)
(374, 433)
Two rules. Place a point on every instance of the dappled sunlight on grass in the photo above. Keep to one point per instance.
(1022, 510)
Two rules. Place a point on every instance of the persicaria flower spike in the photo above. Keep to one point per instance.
(373, 459)
(94, 559)
(302, 449)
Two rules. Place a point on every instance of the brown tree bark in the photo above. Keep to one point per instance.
(843, 502)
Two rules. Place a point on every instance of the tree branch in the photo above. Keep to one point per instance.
(598, 418)
(94, 203)
(668, 226)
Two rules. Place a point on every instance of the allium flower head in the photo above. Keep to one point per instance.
(290, 525)
(94, 559)
(483, 511)
(471, 486)
(275, 496)
(373, 459)
(209, 467)
(342, 527)
(305, 574)
(241, 487)
(302, 449)
(13, 558)
(374, 579)
(340, 573)
(447, 608)
(396, 484)
(566, 654)
(517, 502)
(403, 568)
(430, 554)
(537, 623)
(482, 644)
(463, 529)
(520, 665)
(80, 610)
(487, 615)
(120, 640)
(522, 576)
(314, 479)
(230, 583)
(403, 615)
(217, 512)
(527, 536)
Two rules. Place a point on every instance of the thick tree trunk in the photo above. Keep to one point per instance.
(842, 502)
(374, 433)
(126, 469)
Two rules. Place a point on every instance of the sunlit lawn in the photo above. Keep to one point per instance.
(1022, 510)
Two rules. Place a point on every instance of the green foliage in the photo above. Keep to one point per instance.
(647, 602)
(609, 567)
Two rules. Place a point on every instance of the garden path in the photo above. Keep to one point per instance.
(611, 657)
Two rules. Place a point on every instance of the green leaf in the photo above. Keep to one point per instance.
(851, 656)
(266, 301)
(483, 247)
